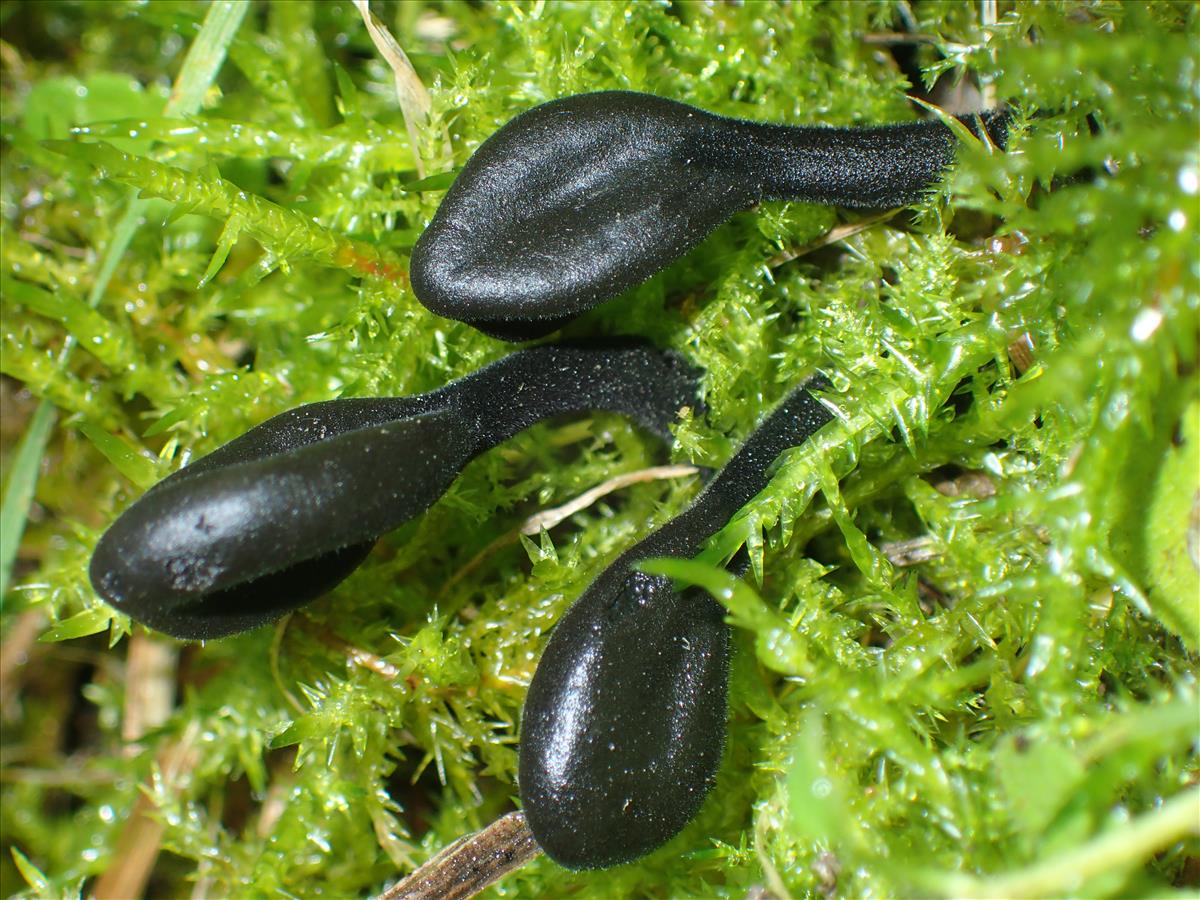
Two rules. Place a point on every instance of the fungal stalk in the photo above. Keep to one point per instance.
(624, 722)
(284, 513)
(580, 199)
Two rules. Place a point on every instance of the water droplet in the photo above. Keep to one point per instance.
(1146, 323)
(1043, 647)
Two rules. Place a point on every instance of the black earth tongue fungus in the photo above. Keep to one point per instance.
(580, 199)
(285, 512)
(624, 722)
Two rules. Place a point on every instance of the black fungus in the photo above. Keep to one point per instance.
(282, 514)
(624, 722)
(579, 199)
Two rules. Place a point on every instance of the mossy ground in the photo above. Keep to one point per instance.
(967, 662)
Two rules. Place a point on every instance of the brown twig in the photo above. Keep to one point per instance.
(10, 58)
(141, 838)
(548, 518)
(891, 38)
(280, 784)
(356, 655)
(911, 552)
(471, 863)
(1022, 352)
(72, 772)
(832, 236)
(46, 243)
(14, 654)
(971, 483)
(273, 659)
(149, 686)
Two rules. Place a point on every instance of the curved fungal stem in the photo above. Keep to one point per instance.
(286, 512)
(624, 723)
(579, 199)
(872, 168)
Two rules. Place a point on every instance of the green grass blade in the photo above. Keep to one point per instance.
(19, 492)
(206, 56)
(199, 70)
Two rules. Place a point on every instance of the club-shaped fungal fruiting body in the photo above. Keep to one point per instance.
(624, 722)
(580, 199)
(282, 514)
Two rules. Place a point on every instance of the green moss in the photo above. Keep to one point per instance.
(966, 655)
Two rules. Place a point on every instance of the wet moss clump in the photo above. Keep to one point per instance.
(964, 659)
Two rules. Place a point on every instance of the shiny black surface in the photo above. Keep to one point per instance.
(580, 199)
(282, 514)
(624, 722)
